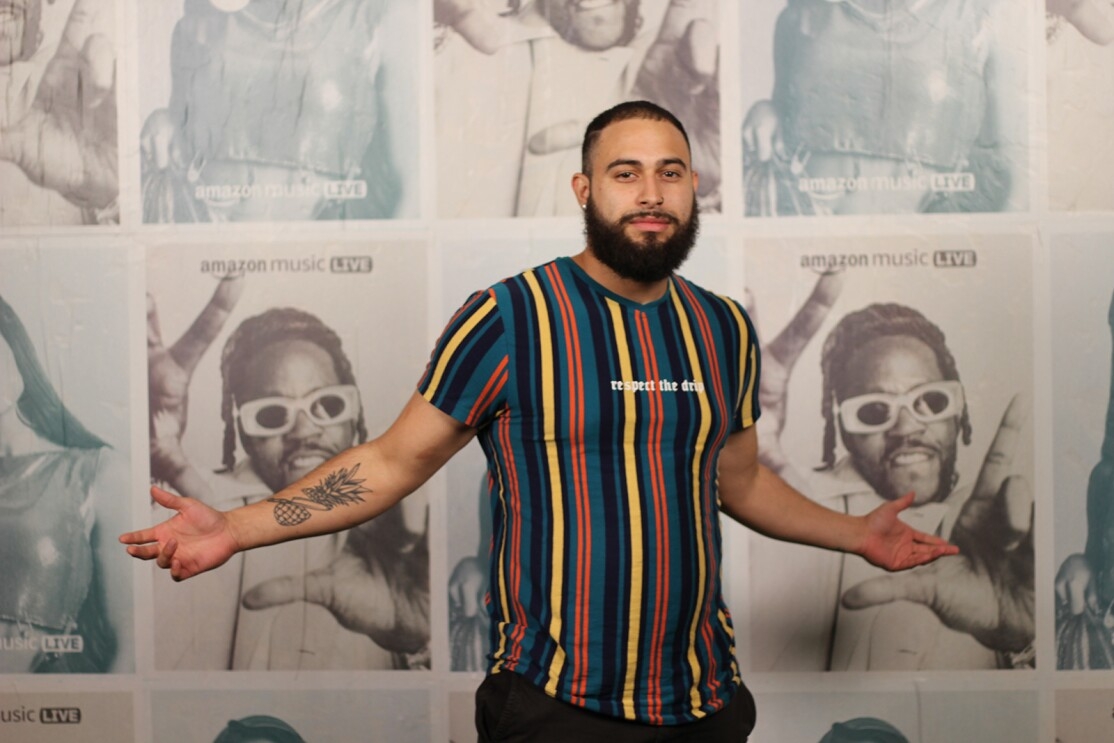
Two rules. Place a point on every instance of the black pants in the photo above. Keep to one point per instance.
(510, 709)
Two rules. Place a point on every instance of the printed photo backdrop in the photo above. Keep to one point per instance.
(907, 714)
(870, 107)
(1083, 715)
(272, 110)
(1082, 301)
(264, 361)
(58, 150)
(516, 83)
(67, 717)
(887, 389)
(66, 603)
(376, 715)
(1080, 82)
(443, 150)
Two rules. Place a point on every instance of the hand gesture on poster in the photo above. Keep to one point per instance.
(778, 359)
(987, 589)
(169, 371)
(1075, 586)
(378, 585)
(66, 141)
(762, 133)
(681, 73)
(1086, 16)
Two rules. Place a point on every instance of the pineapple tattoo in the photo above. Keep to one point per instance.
(339, 488)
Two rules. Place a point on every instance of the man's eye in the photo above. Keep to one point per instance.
(671, 174)
(625, 175)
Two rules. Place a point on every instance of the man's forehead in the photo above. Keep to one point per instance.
(642, 140)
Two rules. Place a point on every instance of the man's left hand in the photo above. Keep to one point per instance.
(987, 589)
(894, 545)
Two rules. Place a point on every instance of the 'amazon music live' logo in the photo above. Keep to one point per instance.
(40, 716)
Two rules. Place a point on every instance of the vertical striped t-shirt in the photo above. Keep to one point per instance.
(602, 420)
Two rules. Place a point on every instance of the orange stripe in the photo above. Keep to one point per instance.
(655, 424)
(490, 391)
(575, 370)
(716, 382)
(514, 529)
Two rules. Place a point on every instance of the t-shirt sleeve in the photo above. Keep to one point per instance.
(747, 409)
(468, 369)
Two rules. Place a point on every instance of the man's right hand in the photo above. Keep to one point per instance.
(195, 539)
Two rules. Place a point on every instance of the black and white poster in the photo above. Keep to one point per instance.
(263, 362)
(271, 110)
(66, 602)
(884, 106)
(897, 366)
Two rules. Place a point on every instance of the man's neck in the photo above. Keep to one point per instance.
(635, 291)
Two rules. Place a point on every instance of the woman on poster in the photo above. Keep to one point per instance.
(59, 608)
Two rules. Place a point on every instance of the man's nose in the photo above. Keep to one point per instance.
(905, 423)
(651, 194)
(304, 427)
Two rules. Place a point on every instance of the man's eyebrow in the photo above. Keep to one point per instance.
(630, 162)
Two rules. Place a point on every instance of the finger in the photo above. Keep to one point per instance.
(187, 351)
(154, 333)
(98, 72)
(701, 45)
(918, 586)
(286, 590)
(139, 538)
(1076, 590)
(1017, 501)
(791, 341)
(144, 551)
(999, 457)
(166, 554)
(167, 499)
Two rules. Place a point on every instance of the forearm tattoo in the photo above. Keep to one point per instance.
(339, 488)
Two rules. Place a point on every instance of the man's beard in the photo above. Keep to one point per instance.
(648, 260)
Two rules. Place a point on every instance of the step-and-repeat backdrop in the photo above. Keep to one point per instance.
(206, 202)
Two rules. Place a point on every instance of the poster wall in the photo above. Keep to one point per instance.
(232, 230)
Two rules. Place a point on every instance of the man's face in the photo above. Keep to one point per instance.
(909, 455)
(16, 20)
(591, 24)
(294, 370)
(640, 215)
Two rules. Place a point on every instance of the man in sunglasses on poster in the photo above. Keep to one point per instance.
(893, 397)
(289, 402)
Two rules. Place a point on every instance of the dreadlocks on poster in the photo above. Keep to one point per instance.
(262, 364)
(897, 366)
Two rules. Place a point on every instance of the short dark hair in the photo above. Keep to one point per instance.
(857, 328)
(256, 333)
(624, 112)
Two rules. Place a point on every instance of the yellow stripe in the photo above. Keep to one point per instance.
(746, 361)
(451, 347)
(634, 509)
(549, 405)
(701, 443)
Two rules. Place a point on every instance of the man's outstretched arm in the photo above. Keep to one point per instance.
(755, 496)
(349, 489)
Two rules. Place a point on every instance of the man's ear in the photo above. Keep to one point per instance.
(581, 187)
